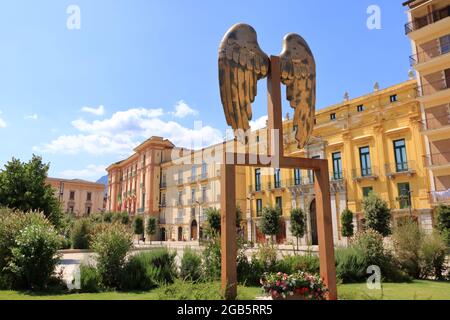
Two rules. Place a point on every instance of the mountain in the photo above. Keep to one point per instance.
(103, 180)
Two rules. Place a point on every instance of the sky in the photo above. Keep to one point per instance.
(82, 93)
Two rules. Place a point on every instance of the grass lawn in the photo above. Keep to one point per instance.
(417, 290)
(244, 293)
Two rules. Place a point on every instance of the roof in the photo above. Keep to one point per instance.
(80, 181)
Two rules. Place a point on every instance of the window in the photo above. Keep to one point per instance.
(143, 160)
(163, 199)
(311, 172)
(297, 177)
(180, 198)
(71, 209)
(193, 212)
(295, 127)
(279, 204)
(445, 44)
(193, 172)
(72, 195)
(204, 200)
(366, 191)
(180, 176)
(337, 166)
(393, 98)
(89, 196)
(193, 195)
(401, 160)
(204, 170)
(404, 195)
(360, 108)
(333, 116)
(180, 214)
(257, 138)
(277, 179)
(88, 211)
(143, 201)
(364, 157)
(258, 207)
(257, 179)
(315, 121)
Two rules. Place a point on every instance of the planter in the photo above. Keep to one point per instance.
(295, 297)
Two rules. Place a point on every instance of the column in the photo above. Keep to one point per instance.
(334, 218)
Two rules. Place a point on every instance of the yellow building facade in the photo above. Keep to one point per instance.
(372, 143)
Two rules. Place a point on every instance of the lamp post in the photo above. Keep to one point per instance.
(251, 218)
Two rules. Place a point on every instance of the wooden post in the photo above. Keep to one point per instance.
(228, 230)
(274, 109)
(325, 229)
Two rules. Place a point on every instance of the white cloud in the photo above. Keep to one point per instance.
(2, 122)
(182, 110)
(92, 171)
(96, 111)
(259, 123)
(32, 116)
(121, 133)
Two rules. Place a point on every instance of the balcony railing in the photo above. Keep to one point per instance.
(202, 176)
(437, 197)
(180, 182)
(437, 122)
(393, 169)
(365, 173)
(273, 185)
(163, 184)
(433, 87)
(193, 179)
(428, 19)
(337, 176)
(437, 159)
(179, 203)
(140, 210)
(179, 220)
(428, 54)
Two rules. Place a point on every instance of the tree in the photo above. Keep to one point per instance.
(23, 187)
(347, 223)
(214, 220)
(443, 222)
(377, 214)
(151, 227)
(270, 222)
(138, 226)
(297, 224)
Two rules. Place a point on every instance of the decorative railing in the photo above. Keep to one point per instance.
(428, 54)
(421, 22)
(365, 173)
(393, 169)
(437, 159)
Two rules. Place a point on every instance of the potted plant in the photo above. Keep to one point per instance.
(297, 286)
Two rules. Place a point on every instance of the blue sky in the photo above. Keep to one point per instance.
(83, 98)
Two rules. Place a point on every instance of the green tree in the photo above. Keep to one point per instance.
(443, 222)
(270, 222)
(377, 214)
(347, 223)
(138, 227)
(23, 187)
(151, 227)
(297, 224)
(214, 220)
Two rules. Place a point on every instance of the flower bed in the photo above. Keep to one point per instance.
(297, 286)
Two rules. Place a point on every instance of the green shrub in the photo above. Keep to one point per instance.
(267, 255)
(290, 264)
(407, 239)
(432, 254)
(34, 255)
(121, 217)
(298, 224)
(249, 271)
(443, 222)
(111, 244)
(351, 264)
(212, 221)
(212, 260)
(90, 280)
(147, 270)
(138, 226)
(269, 223)
(191, 265)
(347, 223)
(377, 214)
(80, 235)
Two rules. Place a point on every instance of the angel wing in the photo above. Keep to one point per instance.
(241, 64)
(298, 73)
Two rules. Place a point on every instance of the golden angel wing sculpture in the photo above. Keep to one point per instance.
(241, 64)
(298, 73)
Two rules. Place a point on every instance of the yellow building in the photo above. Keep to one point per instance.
(429, 31)
(79, 197)
(372, 143)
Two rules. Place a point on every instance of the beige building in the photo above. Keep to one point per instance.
(429, 31)
(79, 197)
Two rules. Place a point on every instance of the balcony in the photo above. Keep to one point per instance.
(163, 185)
(365, 174)
(437, 160)
(162, 219)
(163, 204)
(400, 168)
(426, 20)
(255, 188)
(180, 182)
(276, 185)
(179, 220)
(427, 55)
(433, 87)
(140, 210)
(440, 197)
(337, 176)
(179, 203)
(203, 177)
(192, 179)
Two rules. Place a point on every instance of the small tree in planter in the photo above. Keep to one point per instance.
(377, 214)
(213, 220)
(347, 228)
(297, 224)
(270, 222)
(138, 227)
(151, 227)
